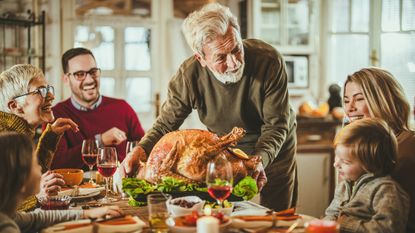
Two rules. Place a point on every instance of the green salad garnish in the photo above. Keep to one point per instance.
(246, 188)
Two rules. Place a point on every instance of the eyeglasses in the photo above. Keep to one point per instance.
(43, 91)
(81, 75)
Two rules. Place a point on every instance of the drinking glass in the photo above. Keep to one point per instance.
(89, 155)
(130, 146)
(219, 179)
(157, 211)
(107, 165)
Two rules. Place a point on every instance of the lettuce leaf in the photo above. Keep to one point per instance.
(246, 188)
(135, 187)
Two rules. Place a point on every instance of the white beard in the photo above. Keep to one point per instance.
(229, 76)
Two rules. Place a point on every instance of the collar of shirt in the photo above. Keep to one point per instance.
(82, 108)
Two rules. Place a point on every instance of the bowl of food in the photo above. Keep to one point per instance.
(226, 208)
(185, 205)
(187, 223)
(54, 202)
(71, 176)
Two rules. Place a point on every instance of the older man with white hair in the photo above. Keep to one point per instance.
(233, 82)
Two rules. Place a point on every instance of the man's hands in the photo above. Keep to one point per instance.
(113, 137)
(63, 124)
(132, 159)
(260, 177)
(102, 212)
(50, 183)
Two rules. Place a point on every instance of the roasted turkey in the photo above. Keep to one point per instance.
(184, 154)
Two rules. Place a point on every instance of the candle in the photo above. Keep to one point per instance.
(207, 224)
(208, 210)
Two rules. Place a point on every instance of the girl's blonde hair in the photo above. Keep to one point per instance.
(15, 81)
(15, 168)
(372, 142)
(384, 96)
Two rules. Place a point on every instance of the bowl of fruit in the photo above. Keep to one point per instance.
(187, 223)
(185, 205)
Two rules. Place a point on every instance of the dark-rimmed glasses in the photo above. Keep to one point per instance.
(81, 74)
(43, 91)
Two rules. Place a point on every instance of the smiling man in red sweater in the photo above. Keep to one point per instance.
(110, 121)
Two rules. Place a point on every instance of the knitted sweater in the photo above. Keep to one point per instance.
(110, 113)
(44, 149)
(372, 204)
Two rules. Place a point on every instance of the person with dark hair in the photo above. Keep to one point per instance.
(110, 121)
(368, 199)
(20, 175)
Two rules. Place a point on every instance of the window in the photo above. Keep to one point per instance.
(364, 33)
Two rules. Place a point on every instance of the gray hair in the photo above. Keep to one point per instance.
(15, 81)
(204, 25)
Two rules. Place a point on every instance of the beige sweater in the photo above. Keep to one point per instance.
(373, 204)
(35, 221)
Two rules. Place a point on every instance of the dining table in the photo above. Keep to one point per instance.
(240, 207)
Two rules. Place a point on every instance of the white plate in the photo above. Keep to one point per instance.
(137, 227)
(83, 193)
(184, 229)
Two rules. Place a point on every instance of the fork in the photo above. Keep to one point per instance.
(75, 191)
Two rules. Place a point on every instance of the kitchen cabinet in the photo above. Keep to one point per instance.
(315, 158)
(289, 25)
(22, 40)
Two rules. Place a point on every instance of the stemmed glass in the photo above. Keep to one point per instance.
(107, 165)
(89, 155)
(219, 179)
(130, 146)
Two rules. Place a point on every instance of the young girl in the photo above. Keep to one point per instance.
(20, 175)
(368, 199)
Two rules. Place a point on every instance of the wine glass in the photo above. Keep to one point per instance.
(89, 155)
(130, 146)
(107, 165)
(219, 179)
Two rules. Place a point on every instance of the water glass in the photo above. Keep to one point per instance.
(157, 211)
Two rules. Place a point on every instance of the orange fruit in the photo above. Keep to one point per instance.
(239, 153)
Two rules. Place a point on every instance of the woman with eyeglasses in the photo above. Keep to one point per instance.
(25, 103)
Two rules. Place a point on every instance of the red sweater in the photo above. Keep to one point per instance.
(110, 113)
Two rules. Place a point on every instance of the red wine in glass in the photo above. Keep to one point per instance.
(220, 192)
(89, 153)
(107, 170)
(90, 159)
(219, 178)
(107, 165)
